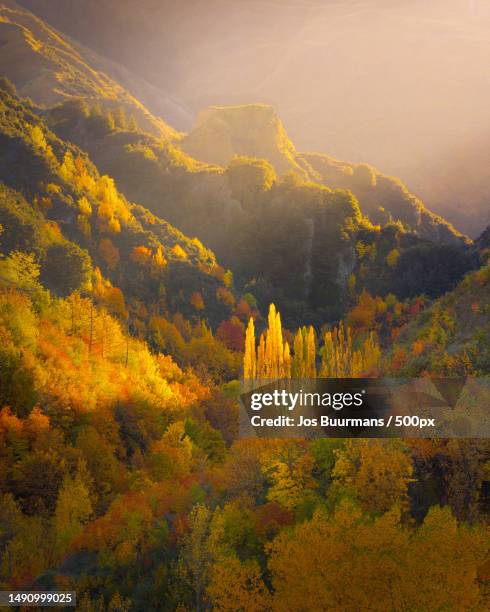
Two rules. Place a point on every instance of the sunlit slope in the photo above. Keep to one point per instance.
(55, 197)
(48, 68)
(287, 238)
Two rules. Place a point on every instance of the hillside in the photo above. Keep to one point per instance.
(196, 184)
(49, 68)
(86, 236)
(286, 238)
(372, 81)
(256, 131)
(150, 278)
(451, 337)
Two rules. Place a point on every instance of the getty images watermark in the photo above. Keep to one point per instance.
(367, 408)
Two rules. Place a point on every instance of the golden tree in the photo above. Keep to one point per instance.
(272, 358)
(249, 358)
(341, 360)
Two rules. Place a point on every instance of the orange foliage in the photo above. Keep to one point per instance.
(109, 253)
(232, 334)
(197, 300)
(141, 254)
(225, 295)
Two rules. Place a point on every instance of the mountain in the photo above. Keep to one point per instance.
(85, 235)
(385, 82)
(49, 68)
(295, 238)
(137, 265)
(256, 131)
(301, 229)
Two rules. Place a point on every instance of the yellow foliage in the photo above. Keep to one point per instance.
(84, 206)
(178, 252)
(377, 472)
(392, 257)
(326, 563)
(238, 585)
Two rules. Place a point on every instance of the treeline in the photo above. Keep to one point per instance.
(340, 356)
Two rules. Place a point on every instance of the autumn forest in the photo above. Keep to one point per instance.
(146, 274)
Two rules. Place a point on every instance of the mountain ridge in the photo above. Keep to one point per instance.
(44, 65)
(255, 130)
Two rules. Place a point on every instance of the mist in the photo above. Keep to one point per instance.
(403, 85)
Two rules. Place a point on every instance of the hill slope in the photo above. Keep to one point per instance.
(55, 204)
(451, 337)
(380, 81)
(304, 230)
(256, 131)
(287, 238)
(48, 68)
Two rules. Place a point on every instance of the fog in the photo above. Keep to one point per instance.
(404, 85)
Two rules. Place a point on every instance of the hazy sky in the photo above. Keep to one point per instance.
(404, 85)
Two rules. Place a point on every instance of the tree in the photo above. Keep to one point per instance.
(392, 257)
(197, 300)
(65, 268)
(232, 334)
(119, 116)
(38, 138)
(290, 471)
(73, 506)
(178, 252)
(249, 357)
(238, 586)
(299, 365)
(196, 555)
(326, 563)
(249, 178)
(376, 472)
(20, 270)
(109, 253)
(341, 360)
(311, 353)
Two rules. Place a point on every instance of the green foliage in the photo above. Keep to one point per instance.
(66, 268)
(63, 209)
(248, 179)
(450, 337)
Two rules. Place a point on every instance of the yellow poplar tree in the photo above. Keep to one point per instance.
(298, 359)
(340, 359)
(287, 361)
(249, 358)
(311, 353)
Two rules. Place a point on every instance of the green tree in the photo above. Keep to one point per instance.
(73, 506)
(65, 268)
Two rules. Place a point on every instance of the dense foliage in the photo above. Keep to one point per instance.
(122, 472)
(293, 233)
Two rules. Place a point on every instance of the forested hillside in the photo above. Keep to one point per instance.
(48, 67)
(315, 245)
(145, 274)
(396, 84)
(86, 236)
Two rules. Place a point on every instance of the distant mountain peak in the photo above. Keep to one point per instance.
(253, 130)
